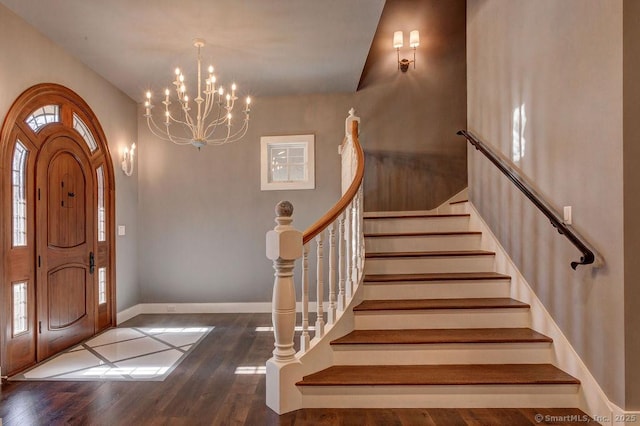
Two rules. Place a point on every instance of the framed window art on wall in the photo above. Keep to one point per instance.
(287, 162)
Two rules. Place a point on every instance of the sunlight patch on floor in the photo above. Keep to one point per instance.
(135, 353)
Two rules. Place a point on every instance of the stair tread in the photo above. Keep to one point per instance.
(457, 374)
(435, 276)
(419, 234)
(457, 335)
(448, 253)
(412, 216)
(422, 304)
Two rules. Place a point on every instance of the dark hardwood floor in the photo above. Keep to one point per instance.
(204, 390)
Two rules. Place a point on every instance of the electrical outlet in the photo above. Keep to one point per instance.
(567, 215)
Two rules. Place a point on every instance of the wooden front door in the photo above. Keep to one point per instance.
(57, 219)
(66, 245)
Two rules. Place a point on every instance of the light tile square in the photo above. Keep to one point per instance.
(130, 348)
(114, 335)
(64, 363)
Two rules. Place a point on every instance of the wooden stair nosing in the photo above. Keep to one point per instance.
(414, 254)
(420, 234)
(420, 216)
(442, 336)
(435, 276)
(439, 375)
(435, 304)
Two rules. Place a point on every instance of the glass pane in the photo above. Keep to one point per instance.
(288, 162)
(19, 189)
(296, 152)
(19, 308)
(82, 128)
(279, 174)
(296, 173)
(102, 224)
(43, 116)
(102, 285)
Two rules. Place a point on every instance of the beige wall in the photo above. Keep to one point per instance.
(562, 60)
(414, 159)
(28, 58)
(203, 217)
(632, 201)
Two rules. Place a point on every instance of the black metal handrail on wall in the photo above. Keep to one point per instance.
(588, 256)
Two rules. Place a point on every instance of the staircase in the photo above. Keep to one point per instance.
(437, 327)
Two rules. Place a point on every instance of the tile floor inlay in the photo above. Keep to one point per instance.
(136, 354)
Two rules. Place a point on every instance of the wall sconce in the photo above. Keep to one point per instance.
(398, 42)
(127, 160)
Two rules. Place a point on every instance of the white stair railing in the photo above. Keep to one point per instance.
(285, 244)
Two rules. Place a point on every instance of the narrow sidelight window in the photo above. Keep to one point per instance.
(84, 131)
(19, 308)
(19, 189)
(43, 116)
(102, 223)
(102, 285)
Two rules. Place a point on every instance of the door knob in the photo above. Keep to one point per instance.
(92, 262)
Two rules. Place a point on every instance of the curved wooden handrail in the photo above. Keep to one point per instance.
(335, 211)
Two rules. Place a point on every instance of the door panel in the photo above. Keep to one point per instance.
(65, 224)
(67, 296)
(66, 188)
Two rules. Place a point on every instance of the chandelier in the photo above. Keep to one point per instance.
(204, 120)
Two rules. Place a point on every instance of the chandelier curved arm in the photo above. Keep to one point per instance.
(211, 128)
(239, 134)
(158, 132)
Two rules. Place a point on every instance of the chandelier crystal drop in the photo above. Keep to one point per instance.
(204, 120)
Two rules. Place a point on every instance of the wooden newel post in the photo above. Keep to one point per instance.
(284, 246)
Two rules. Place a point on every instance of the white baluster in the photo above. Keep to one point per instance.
(331, 315)
(320, 286)
(304, 337)
(341, 262)
(354, 244)
(361, 227)
(348, 250)
(356, 240)
(360, 232)
(284, 246)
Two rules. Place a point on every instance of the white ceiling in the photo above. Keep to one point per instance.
(269, 47)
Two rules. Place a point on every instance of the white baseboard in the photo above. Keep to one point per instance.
(204, 308)
(619, 417)
(128, 313)
(593, 400)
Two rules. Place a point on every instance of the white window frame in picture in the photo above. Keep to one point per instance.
(270, 143)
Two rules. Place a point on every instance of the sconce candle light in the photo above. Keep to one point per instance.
(398, 42)
(127, 160)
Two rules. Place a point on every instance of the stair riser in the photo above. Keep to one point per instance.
(477, 353)
(430, 224)
(437, 290)
(454, 209)
(442, 318)
(494, 396)
(420, 265)
(423, 243)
